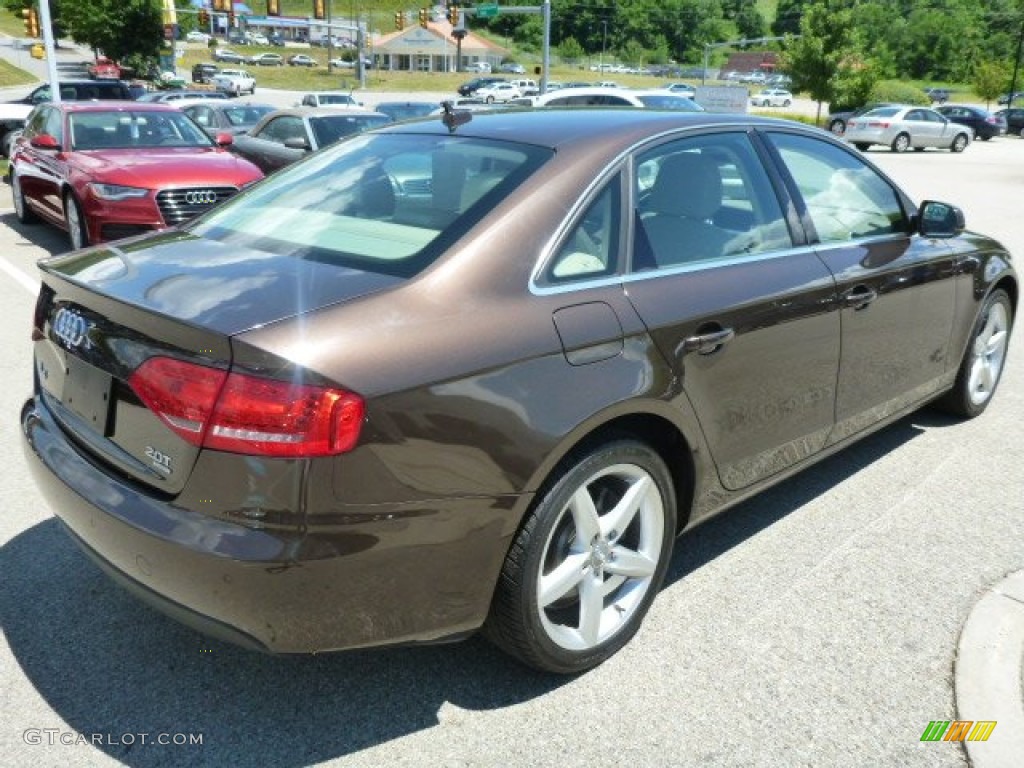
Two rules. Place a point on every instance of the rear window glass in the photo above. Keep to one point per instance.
(388, 203)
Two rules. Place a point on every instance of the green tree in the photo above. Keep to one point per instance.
(121, 29)
(991, 78)
(570, 50)
(826, 60)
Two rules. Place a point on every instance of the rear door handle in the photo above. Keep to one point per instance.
(859, 297)
(707, 343)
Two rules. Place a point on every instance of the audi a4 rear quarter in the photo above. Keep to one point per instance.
(107, 170)
(479, 372)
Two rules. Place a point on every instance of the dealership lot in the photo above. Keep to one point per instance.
(815, 624)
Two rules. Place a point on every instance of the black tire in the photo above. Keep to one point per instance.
(919, 149)
(861, 146)
(78, 233)
(837, 127)
(986, 138)
(901, 143)
(25, 214)
(959, 143)
(983, 361)
(786, 103)
(568, 546)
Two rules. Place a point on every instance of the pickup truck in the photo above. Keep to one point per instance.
(234, 82)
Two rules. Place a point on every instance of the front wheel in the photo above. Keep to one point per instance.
(861, 146)
(587, 561)
(959, 143)
(901, 143)
(786, 103)
(75, 221)
(25, 214)
(983, 361)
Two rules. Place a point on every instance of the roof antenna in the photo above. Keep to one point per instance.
(454, 118)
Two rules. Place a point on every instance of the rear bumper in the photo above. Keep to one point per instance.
(393, 580)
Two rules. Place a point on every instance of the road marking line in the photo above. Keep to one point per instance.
(26, 282)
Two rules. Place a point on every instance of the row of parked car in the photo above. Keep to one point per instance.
(903, 127)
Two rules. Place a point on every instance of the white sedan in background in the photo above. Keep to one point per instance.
(772, 97)
(498, 92)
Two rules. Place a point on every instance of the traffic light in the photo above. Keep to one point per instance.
(453, 15)
(204, 18)
(318, 9)
(31, 22)
(223, 6)
(273, 7)
(399, 20)
(424, 17)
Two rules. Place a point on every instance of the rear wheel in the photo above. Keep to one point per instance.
(901, 143)
(838, 127)
(25, 214)
(982, 365)
(75, 221)
(959, 143)
(588, 560)
(786, 103)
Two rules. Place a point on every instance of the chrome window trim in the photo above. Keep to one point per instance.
(729, 261)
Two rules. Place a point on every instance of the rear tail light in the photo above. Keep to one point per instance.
(878, 124)
(230, 411)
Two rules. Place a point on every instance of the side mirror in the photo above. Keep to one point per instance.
(935, 219)
(44, 141)
(224, 139)
(297, 142)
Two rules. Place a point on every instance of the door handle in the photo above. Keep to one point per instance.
(707, 343)
(859, 297)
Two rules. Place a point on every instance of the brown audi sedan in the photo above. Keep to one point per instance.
(479, 371)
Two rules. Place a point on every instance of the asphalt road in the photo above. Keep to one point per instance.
(814, 625)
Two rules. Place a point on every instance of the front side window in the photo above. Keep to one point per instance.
(704, 199)
(846, 198)
(389, 203)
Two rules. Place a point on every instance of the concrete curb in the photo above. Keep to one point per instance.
(987, 673)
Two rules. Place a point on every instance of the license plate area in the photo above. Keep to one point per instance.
(87, 392)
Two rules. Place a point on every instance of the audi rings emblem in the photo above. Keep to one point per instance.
(71, 328)
(201, 197)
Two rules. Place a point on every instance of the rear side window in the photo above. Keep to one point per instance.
(846, 198)
(389, 203)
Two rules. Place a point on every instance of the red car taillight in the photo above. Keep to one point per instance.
(247, 414)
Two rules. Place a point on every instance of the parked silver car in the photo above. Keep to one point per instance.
(906, 127)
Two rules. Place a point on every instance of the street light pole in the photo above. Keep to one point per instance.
(604, 42)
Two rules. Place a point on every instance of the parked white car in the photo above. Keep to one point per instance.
(526, 87)
(234, 82)
(498, 92)
(330, 99)
(772, 97)
(195, 36)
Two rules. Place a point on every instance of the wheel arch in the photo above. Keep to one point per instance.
(658, 430)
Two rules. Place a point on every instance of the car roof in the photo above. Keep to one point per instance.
(322, 111)
(114, 105)
(558, 128)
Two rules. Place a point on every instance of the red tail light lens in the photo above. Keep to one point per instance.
(247, 414)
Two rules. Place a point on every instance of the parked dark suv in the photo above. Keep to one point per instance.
(204, 72)
(80, 90)
(1014, 119)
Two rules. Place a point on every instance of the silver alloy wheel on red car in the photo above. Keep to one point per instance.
(75, 222)
(25, 214)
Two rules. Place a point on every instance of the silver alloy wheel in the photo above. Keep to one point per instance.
(960, 142)
(73, 217)
(901, 143)
(600, 558)
(19, 201)
(989, 354)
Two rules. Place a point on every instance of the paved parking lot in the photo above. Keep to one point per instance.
(814, 625)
